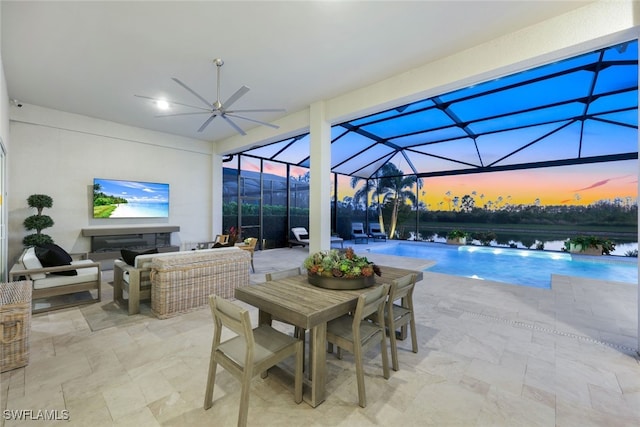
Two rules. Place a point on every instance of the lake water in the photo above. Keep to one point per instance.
(514, 266)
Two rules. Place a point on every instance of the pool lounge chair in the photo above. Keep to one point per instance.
(301, 238)
(357, 232)
(375, 231)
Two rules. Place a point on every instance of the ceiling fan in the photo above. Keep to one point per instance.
(217, 108)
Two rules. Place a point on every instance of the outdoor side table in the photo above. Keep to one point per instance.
(15, 324)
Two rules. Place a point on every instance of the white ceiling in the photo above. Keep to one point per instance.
(91, 58)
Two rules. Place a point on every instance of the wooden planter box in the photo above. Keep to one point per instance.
(457, 241)
(577, 249)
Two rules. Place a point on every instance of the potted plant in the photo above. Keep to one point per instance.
(334, 269)
(38, 222)
(456, 237)
(590, 245)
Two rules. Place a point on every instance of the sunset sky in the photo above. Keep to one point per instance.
(565, 185)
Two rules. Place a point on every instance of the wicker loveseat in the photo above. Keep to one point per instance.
(184, 280)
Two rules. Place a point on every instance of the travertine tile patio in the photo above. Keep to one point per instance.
(490, 355)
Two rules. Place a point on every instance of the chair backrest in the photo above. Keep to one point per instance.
(357, 228)
(231, 316)
(371, 302)
(300, 233)
(222, 238)
(402, 287)
(277, 275)
(252, 241)
(374, 227)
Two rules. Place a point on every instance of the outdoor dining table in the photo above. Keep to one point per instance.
(295, 301)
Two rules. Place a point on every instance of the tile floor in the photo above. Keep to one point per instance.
(490, 355)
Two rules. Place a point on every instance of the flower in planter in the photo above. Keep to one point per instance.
(456, 234)
(233, 235)
(582, 243)
(334, 263)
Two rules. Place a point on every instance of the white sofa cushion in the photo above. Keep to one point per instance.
(29, 261)
(84, 275)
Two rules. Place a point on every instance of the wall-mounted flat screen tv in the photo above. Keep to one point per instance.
(114, 198)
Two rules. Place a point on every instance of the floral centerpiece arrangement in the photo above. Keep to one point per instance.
(340, 265)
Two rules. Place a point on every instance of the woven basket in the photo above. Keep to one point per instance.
(15, 324)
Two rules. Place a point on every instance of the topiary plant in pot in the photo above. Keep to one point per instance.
(38, 222)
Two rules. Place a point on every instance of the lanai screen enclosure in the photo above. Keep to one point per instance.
(583, 110)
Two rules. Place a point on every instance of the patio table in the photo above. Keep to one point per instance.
(299, 303)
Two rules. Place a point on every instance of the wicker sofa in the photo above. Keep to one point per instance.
(179, 281)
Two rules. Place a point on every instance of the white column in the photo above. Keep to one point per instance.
(320, 179)
(216, 196)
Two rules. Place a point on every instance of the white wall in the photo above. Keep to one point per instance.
(59, 154)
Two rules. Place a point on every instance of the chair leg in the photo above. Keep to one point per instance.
(414, 339)
(394, 344)
(211, 379)
(357, 354)
(385, 356)
(243, 412)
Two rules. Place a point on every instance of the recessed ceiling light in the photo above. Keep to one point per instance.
(162, 104)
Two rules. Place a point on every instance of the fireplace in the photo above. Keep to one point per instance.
(107, 242)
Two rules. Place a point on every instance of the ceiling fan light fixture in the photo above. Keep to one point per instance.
(162, 104)
(216, 108)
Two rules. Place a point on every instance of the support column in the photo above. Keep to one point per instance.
(320, 179)
(216, 196)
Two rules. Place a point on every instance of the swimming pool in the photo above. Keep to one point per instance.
(514, 266)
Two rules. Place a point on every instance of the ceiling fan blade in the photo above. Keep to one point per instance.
(233, 98)
(207, 103)
(252, 120)
(233, 125)
(261, 110)
(174, 102)
(206, 123)
(182, 114)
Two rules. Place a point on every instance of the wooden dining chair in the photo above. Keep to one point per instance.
(251, 247)
(283, 274)
(298, 332)
(400, 315)
(250, 352)
(356, 334)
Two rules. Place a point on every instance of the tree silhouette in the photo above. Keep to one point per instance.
(396, 190)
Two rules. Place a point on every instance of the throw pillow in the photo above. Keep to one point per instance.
(52, 255)
(129, 256)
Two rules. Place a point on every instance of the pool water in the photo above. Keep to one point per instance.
(514, 266)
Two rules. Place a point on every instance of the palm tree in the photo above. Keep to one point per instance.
(396, 189)
(377, 194)
(360, 196)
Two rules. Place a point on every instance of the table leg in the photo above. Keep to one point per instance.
(318, 364)
(264, 318)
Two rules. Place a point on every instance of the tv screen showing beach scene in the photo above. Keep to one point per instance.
(113, 198)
